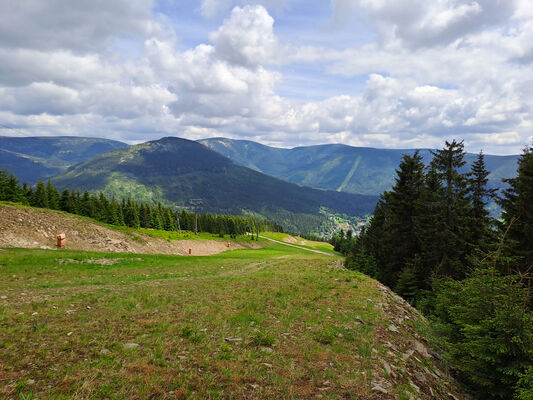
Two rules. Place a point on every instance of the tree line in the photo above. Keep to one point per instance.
(432, 240)
(125, 212)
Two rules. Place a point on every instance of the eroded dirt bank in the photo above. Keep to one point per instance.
(36, 228)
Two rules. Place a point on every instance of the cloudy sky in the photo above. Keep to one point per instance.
(380, 73)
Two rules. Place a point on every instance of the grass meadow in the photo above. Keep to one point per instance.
(276, 322)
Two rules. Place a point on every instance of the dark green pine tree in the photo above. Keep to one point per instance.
(66, 203)
(53, 196)
(116, 215)
(457, 210)
(170, 220)
(399, 226)
(40, 197)
(3, 185)
(145, 216)
(430, 230)
(103, 212)
(86, 206)
(488, 330)
(131, 213)
(369, 246)
(481, 232)
(517, 204)
(10, 189)
(157, 217)
(27, 193)
(371, 241)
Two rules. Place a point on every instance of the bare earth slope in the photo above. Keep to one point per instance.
(35, 228)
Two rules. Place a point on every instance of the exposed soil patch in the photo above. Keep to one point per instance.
(36, 228)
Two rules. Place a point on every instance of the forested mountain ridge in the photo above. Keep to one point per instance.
(360, 170)
(33, 158)
(174, 170)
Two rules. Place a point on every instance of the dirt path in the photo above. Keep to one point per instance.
(298, 247)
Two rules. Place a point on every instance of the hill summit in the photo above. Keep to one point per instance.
(174, 170)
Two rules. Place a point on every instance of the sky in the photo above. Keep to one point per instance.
(374, 73)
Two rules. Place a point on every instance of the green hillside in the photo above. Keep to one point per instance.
(174, 170)
(273, 323)
(31, 158)
(359, 170)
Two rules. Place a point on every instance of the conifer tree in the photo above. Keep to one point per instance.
(430, 230)
(457, 210)
(3, 185)
(65, 202)
(131, 213)
(116, 214)
(157, 217)
(481, 224)
(27, 193)
(40, 197)
(103, 208)
(52, 195)
(9, 188)
(488, 330)
(517, 204)
(145, 216)
(169, 220)
(85, 207)
(399, 226)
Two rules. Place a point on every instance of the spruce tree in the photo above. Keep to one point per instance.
(399, 226)
(430, 230)
(517, 204)
(103, 208)
(481, 224)
(116, 215)
(131, 213)
(487, 330)
(10, 189)
(457, 210)
(40, 197)
(27, 193)
(85, 207)
(65, 202)
(145, 216)
(52, 195)
(3, 184)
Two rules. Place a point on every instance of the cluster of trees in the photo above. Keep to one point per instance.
(432, 240)
(343, 241)
(125, 212)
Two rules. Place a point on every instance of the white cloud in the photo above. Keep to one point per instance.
(421, 23)
(440, 69)
(213, 8)
(247, 37)
(78, 25)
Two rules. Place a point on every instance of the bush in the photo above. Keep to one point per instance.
(362, 262)
(262, 339)
(408, 286)
(488, 331)
(525, 385)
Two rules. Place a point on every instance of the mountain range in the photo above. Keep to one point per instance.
(173, 171)
(305, 188)
(359, 170)
(34, 158)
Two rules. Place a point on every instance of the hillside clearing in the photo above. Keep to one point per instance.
(26, 227)
(268, 323)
